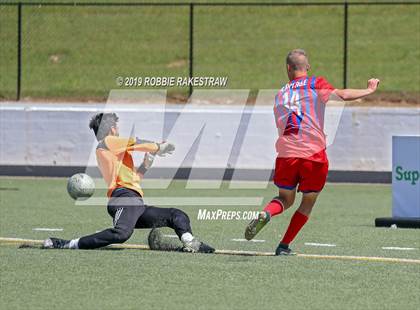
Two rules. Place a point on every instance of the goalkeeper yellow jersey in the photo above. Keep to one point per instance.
(115, 161)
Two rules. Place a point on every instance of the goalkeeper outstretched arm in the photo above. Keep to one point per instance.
(149, 157)
(120, 145)
(163, 148)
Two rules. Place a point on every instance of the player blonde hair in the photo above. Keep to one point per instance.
(298, 60)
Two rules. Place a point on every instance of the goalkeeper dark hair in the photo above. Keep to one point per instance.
(102, 123)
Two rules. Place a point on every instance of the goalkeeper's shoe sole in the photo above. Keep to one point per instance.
(256, 225)
(55, 243)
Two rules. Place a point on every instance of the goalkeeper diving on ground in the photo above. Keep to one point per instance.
(125, 205)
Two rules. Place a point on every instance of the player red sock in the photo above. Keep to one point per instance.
(274, 207)
(296, 224)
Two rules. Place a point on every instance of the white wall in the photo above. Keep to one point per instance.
(58, 134)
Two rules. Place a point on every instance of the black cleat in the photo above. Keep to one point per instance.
(205, 248)
(283, 249)
(56, 243)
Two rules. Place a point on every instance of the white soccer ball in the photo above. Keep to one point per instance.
(80, 186)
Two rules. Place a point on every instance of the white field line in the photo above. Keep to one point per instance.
(237, 240)
(363, 258)
(19, 241)
(397, 248)
(47, 229)
(320, 244)
(81, 107)
(244, 240)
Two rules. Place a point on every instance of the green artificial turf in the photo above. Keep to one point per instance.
(139, 279)
(77, 52)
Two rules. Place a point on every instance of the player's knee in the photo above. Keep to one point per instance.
(179, 214)
(305, 209)
(180, 222)
(290, 201)
(287, 201)
(121, 235)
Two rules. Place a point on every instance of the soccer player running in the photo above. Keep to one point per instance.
(302, 160)
(125, 204)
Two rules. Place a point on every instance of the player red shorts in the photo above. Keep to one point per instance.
(310, 175)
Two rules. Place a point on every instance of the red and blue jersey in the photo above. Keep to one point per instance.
(299, 113)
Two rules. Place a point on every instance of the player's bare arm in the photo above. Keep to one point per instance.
(160, 149)
(144, 147)
(353, 94)
(121, 145)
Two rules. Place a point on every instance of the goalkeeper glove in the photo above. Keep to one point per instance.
(165, 148)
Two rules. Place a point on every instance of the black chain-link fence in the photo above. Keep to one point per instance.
(78, 50)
